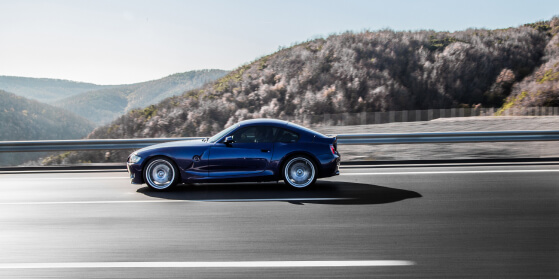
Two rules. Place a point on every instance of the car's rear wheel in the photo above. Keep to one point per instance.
(161, 174)
(299, 172)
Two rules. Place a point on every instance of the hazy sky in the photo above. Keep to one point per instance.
(115, 42)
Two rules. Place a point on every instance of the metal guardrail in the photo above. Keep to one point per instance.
(74, 145)
(454, 137)
(349, 139)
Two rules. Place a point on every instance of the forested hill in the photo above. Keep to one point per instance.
(104, 105)
(354, 72)
(541, 87)
(24, 119)
(44, 89)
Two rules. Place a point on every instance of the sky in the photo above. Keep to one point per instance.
(129, 41)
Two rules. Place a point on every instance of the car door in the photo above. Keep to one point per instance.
(248, 154)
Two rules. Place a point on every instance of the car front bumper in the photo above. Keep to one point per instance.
(135, 172)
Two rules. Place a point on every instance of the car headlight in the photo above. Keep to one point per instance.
(134, 159)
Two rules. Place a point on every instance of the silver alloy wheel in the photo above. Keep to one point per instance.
(160, 174)
(299, 172)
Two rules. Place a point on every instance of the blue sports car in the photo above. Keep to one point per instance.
(249, 151)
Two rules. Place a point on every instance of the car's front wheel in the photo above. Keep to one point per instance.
(299, 172)
(161, 174)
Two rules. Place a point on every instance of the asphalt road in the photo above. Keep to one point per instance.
(463, 221)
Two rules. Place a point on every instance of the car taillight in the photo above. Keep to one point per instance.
(333, 149)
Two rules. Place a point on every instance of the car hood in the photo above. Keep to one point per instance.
(172, 144)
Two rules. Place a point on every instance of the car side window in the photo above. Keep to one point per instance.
(255, 134)
(287, 136)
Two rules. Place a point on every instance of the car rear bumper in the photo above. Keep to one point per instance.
(331, 168)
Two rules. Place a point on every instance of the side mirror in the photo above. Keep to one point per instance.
(228, 140)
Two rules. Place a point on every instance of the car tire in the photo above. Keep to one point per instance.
(299, 172)
(161, 174)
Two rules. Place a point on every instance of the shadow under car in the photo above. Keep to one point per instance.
(324, 192)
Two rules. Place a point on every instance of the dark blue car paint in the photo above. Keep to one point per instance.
(202, 161)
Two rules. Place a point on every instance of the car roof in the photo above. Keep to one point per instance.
(263, 121)
(280, 123)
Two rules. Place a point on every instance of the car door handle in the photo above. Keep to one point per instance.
(265, 150)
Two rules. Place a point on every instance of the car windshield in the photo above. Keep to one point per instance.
(222, 133)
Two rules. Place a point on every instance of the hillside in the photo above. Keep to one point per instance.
(44, 89)
(353, 72)
(541, 87)
(370, 71)
(103, 106)
(24, 119)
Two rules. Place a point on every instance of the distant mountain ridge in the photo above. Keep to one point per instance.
(25, 119)
(103, 103)
(45, 90)
(103, 106)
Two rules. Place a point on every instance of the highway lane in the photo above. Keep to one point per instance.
(479, 220)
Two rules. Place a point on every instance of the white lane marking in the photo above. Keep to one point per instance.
(208, 264)
(172, 201)
(489, 164)
(65, 178)
(447, 172)
(60, 171)
(343, 173)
